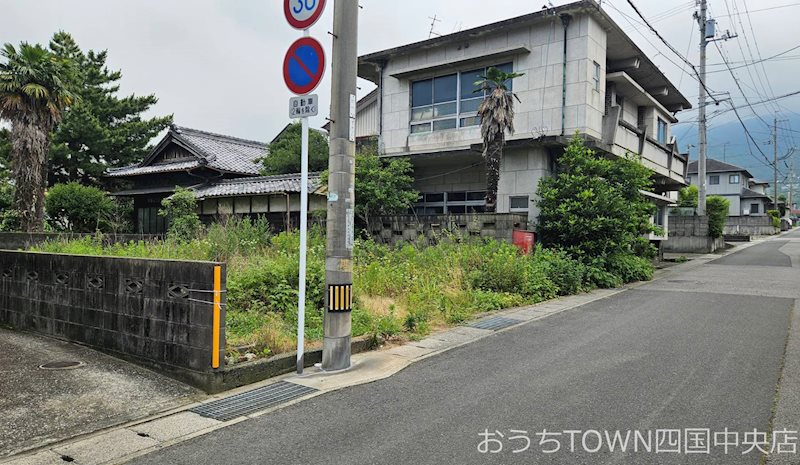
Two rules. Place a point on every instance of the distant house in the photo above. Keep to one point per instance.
(747, 195)
(224, 174)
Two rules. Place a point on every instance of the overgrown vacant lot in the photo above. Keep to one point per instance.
(400, 292)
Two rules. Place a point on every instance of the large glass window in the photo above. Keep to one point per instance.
(734, 179)
(448, 102)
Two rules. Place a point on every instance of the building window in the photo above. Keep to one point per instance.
(713, 180)
(662, 131)
(448, 102)
(596, 76)
(518, 203)
(658, 219)
(451, 202)
(734, 179)
(755, 208)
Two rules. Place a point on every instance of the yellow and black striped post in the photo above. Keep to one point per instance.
(340, 298)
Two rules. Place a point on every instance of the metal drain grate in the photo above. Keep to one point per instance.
(252, 401)
(496, 323)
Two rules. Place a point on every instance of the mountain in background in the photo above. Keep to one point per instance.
(728, 142)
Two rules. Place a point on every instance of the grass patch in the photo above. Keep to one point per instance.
(400, 292)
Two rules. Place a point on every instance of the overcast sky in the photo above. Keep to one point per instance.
(215, 64)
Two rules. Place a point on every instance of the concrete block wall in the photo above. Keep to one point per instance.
(409, 228)
(158, 313)
(685, 226)
(749, 226)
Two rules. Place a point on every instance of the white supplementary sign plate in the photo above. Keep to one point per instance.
(350, 235)
(304, 106)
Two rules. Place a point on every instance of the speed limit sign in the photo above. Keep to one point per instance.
(302, 14)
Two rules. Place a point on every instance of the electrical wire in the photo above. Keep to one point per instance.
(676, 52)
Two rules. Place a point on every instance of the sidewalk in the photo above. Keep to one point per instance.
(42, 406)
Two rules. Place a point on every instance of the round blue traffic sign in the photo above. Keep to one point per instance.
(304, 65)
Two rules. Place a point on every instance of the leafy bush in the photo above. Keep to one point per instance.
(383, 187)
(631, 268)
(775, 215)
(717, 210)
(180, 209)
(567, 274)
(593, 206)
(78, 208)
(688, 197)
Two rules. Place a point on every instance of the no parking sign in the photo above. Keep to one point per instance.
(304, 65)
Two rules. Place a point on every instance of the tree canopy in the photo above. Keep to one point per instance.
(284, 152)
(102, 130)
(36, 86)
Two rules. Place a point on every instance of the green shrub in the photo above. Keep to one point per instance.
(599, 277)
(775, 215)
(180, 209)
(717, 210)
(593, 206)
(78, 208)
(688, 197)
(566, 274)
(631, 268)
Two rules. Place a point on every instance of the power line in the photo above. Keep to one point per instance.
(676, 52)
(765, 9)
(738, 85)
(631, 20)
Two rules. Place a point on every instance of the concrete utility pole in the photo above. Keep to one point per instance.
(775, 160)
(701, 108)
(341, 182)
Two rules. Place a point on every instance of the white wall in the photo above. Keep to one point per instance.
(540, 89)
(520, 172)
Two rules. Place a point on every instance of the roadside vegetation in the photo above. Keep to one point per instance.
(406, 291)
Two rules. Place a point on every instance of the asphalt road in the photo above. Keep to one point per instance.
(702, 350)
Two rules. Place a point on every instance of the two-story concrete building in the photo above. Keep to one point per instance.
(582, 74)
(747, 196)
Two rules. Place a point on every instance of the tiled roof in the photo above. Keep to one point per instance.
(257, 186)
(716, 166)
(136, 170)
(751, 194)
(215, 151)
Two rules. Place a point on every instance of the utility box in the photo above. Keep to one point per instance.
(711, 29)
(524, 240)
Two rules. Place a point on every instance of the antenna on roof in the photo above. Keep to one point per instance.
(434, 20)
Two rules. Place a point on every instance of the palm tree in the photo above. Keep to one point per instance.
(496, 113)
(34, 90)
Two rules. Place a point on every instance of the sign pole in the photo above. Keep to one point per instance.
(303, 68)
(301, 297)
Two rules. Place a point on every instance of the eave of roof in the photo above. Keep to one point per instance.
(263, 185)
(716, 166)
(750, 194)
